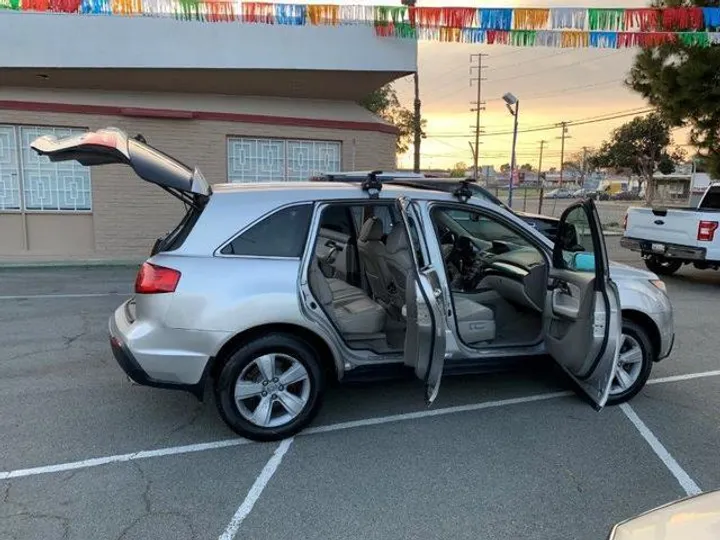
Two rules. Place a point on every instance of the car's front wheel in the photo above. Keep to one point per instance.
(634, 363)
(270, 388)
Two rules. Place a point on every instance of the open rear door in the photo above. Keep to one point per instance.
(582, 319)
(424, 309)
(112, 146)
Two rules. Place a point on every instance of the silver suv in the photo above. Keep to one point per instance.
(266, 290)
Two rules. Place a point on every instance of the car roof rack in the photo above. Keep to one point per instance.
(463, 191)
(372, 184)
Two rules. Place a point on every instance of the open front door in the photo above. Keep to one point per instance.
(424, 309)
(582, 319)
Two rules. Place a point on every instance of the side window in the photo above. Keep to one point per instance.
(336, 218)
(451, 223)
(281, 234)
(575, 242)
(416, 239)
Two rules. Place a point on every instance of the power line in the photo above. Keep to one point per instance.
(544, 71)
(445, 96)
(581, 122)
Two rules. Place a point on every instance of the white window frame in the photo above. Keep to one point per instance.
(33, 174)
(281, 169)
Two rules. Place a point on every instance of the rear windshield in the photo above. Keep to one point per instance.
(711, 201)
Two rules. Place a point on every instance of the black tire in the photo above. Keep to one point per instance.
(241, 358)
(640, 335)
(662, 266)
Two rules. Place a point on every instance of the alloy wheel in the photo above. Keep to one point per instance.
(272, 390)
(629, 365)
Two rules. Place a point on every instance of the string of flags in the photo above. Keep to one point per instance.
(521, 27)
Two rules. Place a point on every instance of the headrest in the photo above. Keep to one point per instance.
(396, 240)
(372, 230)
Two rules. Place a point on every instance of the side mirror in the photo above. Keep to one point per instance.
(583, 262)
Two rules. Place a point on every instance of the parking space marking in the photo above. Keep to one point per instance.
(683, 478)
(686, 377)
(95, 462)
(59, 296)
(379, 420)
(256, 490)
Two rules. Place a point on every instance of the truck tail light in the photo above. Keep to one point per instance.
(706, 231)
(154, 279)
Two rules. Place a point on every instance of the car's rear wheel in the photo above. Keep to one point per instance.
(662, 266)
(271, 388)
(634, 363)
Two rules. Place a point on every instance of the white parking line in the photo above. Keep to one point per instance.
(201, 447)
(683, 478)
(686, 377)
(95, 462)
(256, 490)
(58, 296)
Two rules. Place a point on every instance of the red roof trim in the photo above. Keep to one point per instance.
(111, 110)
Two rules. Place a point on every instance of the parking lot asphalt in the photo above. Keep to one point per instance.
(84, 454)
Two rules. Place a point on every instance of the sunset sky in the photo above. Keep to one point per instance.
(552, 84)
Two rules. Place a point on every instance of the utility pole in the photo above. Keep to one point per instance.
(564, 136)
(417, 125)
(540, 181)
(479, 105)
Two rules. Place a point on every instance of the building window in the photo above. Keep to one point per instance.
(284, 160)
(46, 186)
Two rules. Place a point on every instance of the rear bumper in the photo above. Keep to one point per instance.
(669, 250)
(132, 369)
(154, 355)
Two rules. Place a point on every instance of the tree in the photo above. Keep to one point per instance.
(385, 103)
(459, 170)
(641, 146)
(683, 82)
(505, 168)
(527, 167)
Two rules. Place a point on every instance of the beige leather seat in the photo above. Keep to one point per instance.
(398, 264)
(372, 257)
(355, 316)
(475, 322)
(341, 290)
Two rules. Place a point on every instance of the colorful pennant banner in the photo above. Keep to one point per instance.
(521, 27)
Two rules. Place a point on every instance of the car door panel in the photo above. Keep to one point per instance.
(581, 321)
(424, 309)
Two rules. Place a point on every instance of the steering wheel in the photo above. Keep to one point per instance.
(448, 237)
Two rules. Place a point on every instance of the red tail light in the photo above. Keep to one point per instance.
(154, 279)
(625, 223)
(706, 231)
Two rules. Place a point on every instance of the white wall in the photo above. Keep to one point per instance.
(53, 40)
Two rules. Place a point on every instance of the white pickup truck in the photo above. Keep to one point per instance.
(667, 238)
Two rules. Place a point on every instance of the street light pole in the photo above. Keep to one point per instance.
(511, 100)
(513, 161)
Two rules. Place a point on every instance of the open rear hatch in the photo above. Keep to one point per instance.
(112, 146)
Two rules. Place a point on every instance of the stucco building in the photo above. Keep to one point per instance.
(245, 103)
